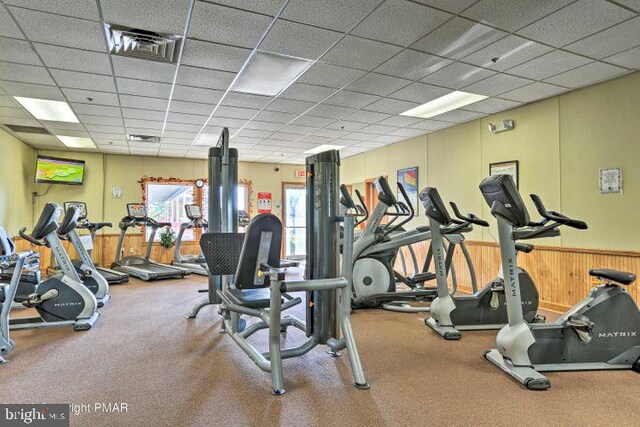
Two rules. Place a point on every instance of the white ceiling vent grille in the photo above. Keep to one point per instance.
(28, 129)
(143, 138)
(142, 44)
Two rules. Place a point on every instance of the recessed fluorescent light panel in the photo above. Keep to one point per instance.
(44, 109)
(449, 102)
(270, 73)
(76, 141)
(324, 147)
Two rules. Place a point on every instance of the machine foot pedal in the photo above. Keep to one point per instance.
(538, 384)
(364, 386)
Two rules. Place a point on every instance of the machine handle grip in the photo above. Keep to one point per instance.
(28, 238)
(468, 218)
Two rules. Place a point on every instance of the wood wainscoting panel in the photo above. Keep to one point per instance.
(561, 274)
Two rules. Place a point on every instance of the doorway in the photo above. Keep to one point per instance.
(294, 214)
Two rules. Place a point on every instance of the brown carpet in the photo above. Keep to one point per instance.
(177, 372)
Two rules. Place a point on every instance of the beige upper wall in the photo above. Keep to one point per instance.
(17, 176)
(107, 171)
(561, 144)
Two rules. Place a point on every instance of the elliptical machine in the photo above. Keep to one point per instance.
(484, 309)
(60, 300)
(9, 259)
(375, 251)
(600, 332)
(89, 275)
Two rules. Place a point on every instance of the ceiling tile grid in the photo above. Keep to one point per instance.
(371, 61)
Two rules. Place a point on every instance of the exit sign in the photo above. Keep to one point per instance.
(300, 173)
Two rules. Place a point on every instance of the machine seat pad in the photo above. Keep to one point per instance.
(250, 298)
(422, 277)
(621, 277)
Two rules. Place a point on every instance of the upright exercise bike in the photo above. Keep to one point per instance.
(484, 309)
(600, 332)
(62, 299)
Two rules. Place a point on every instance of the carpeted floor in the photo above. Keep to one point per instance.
(171, 371)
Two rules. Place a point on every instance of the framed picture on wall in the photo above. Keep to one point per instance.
(408, 177)
(511, 167)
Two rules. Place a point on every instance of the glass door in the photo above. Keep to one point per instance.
(294, 212)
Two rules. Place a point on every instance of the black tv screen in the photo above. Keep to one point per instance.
(54, 170)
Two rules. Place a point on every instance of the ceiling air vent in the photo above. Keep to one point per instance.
(143, 44)
(143, 138)
(28, 129)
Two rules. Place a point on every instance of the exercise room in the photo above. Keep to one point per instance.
(319, 212)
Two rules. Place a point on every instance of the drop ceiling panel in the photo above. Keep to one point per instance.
(337, 15)
(95, 110)
(496, 85)
(629, 58)
(245, 100)
(492, 105)
(82, 95)
(268, 7)
(201, 77)
(412, 65)
(186, 118)
(32, 91)
(76, 8)
(612, 40)
(25, 73)
(367, 117)
(305, 92)
(101, 120)
(8, 28)
(191, 108)
(400, 121)
(143, 103)
(360, 53)
(377, 84)
(391, 106)
(214, 56)
(310, 120)
(509, 51)
(400, 22)
(330, 75)
(183, 127)
(221, 24)
(458, 75)
(220, 122)
(420, 93)
(193, 94)
(263, 126)
(296, 129)
(163, 16)
(347, 98)
(17, 51)
(458, 38)
(512, 15)
(534, 92)
(589, 74)
(253, 133)
(143, 70)
(453, 6)
(8, 101)
(430, 125)
(78, 80)
(104, 129)
(73, 59)
(330, 133)
(459, 116)
(54, 29)
(236, 113)
(275, 117)
(14, 112)
(548, 65)
(331, 111)
(134, 113)
(578, 20)
(302, 41)
(290, 106)
(378, 129)
(18, 121)
(407, 133)
(143, 88)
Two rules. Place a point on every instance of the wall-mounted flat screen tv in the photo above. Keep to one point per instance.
(54, 170)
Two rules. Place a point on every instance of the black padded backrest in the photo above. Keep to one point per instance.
(47, 221)
(222, 252)
(434, 207)
(7, 247)
(69, 220)
(262, 243)
(503, 198)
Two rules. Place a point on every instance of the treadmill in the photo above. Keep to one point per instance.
(141, 266)
(194, 263)
(113, 277)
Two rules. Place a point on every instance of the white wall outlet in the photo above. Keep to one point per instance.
(116, 192)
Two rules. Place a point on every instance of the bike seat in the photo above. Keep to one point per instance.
(621, 277)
